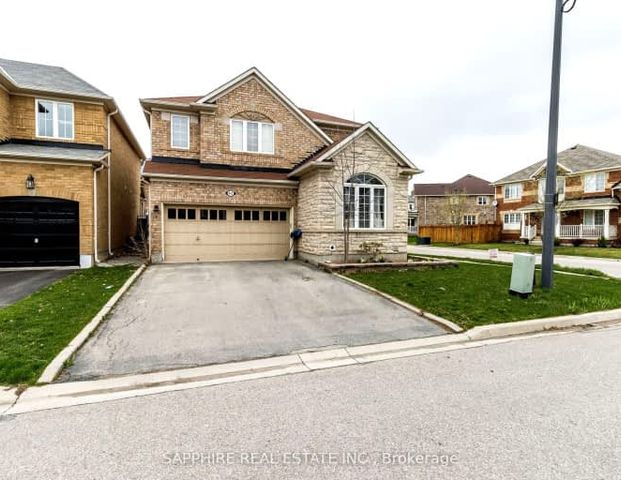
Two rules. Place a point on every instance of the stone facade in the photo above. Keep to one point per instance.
(89, 121)
(320, 216)
(437, 210)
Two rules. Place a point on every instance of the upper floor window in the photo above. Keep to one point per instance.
(560, 189)
(595, 182)
(364, 202)
(482, 200)
(513, 191)
(180, 131)
(248, 136)
(54, 119)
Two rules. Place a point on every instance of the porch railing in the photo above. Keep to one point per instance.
(586, 231)
(529, 231)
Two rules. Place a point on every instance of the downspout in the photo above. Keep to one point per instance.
(109, 188)
(95, 232)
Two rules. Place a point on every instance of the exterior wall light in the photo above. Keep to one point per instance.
(30, 182)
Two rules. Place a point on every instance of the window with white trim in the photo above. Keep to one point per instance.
(364, 202)
(54, 119)
(512, 221)
(593, 217)
(248, 136)
(180, 131)
(513, 191)
(560, 189)
(482, 200)
(595, 182)
(470, 219)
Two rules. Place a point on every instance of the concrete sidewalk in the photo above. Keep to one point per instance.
(608, 266)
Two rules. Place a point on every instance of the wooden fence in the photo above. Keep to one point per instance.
(461, 233)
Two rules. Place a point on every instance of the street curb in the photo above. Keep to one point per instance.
(61, 395)
(447, 324)
(57, 364)
(8, 397)
(542, 324)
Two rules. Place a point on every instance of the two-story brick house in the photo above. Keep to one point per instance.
(589, 193)
(466, 201)
(69, 169)
(234, 171)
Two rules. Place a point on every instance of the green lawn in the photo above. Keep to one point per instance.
(610, 252)
(35, 329)
(476, 294)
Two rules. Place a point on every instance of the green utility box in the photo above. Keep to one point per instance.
(522, 274)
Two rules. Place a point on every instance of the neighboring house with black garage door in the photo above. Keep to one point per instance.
(234, 171)
(69, 169)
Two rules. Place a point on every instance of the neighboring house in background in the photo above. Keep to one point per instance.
(588, 188)
(467, 201)
(412, 215)
(234, 171)
(69, 169)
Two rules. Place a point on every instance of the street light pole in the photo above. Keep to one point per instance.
(549, 213)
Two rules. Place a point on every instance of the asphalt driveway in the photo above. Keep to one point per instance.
(187, 315)
(17, 284)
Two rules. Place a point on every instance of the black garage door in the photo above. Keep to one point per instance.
(39, 231)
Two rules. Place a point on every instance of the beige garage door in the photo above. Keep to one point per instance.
(209, 234)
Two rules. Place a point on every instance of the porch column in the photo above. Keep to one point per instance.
(606, 224)
(557, 224)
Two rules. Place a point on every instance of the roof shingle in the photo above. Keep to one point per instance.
(577, 159)
(47, 78)
(468, 184)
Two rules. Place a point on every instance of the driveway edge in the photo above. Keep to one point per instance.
(58, 363)
(443, 322)
(61, 395)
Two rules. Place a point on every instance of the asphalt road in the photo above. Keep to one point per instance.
(608, 266)
(184, 315)
(542, 408)
(15, 285)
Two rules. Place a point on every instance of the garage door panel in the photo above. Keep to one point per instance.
(208, 239)
(39, 231)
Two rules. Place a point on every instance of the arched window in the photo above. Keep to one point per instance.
(364, 202)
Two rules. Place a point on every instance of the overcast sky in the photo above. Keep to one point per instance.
(460, 86)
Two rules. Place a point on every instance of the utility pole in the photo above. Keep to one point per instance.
(549, 213)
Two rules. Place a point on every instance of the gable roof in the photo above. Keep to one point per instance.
(33, 76)
(577, 159)
(468, 184)
(24, 77)
(326, 153)
(254, 72)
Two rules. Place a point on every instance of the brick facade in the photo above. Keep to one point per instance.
(5, 115)
(89, 121)
(574, 190)
(57, 181)
(437, 210)
(70, 180)
(169, 192)
(125, 186)
(313, 205)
